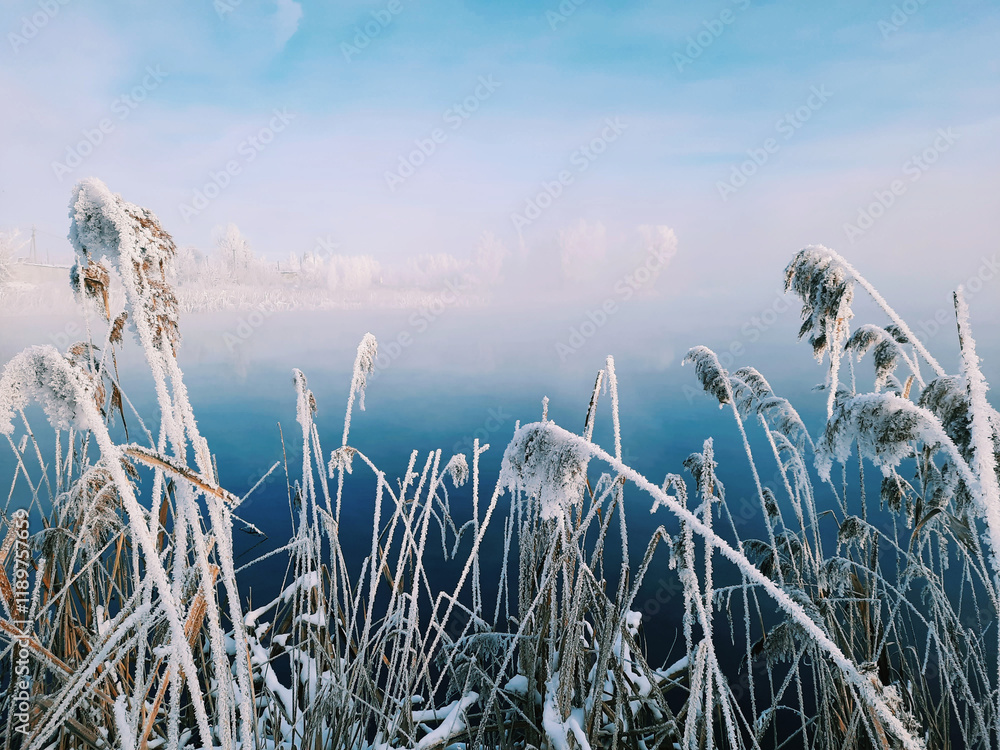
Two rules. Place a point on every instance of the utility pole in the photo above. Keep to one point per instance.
(34, 247)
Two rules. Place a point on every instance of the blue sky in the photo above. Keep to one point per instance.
(894, 76)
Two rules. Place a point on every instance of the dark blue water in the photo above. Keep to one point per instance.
(470, 374)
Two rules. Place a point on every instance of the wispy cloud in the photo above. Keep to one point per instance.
(286, 20)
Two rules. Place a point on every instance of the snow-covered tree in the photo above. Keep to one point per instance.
(235, 252)
(10, 244)
(352, 273)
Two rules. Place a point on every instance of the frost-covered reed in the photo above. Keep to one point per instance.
(863, 622)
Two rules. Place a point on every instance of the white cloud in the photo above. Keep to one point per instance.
(286, 20)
